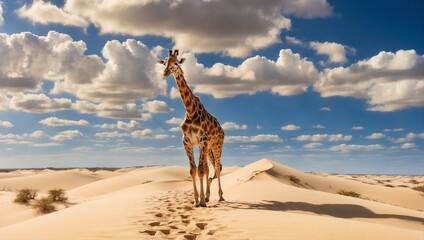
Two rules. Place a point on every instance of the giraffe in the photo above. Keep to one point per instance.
(200, 128)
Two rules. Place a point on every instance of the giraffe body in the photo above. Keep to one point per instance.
(200, 128)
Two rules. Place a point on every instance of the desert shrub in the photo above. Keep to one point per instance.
(349, 193)
(57, 195)
(294, 179)
(413, 181)
(44, 205)
(25, 195)
(389, 185)
(419, 188)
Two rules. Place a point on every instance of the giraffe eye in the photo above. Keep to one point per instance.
(176, 64)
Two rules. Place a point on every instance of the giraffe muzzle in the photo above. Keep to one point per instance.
(166, 73)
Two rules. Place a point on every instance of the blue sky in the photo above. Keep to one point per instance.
(323, 86)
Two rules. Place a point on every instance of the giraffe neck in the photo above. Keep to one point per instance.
(188, 98)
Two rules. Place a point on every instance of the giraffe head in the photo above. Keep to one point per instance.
(171, 63)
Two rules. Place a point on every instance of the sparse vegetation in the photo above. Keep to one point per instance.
(57, 195)
(419, 188)
(294, 179)
(349, 193)
(25, 195)
(44, 205)
(413, 181)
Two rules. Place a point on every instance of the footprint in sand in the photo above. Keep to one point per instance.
(190, 237)
(201, 225)
(154, 224)
(150, 232)
(175, 217)
(165, 231)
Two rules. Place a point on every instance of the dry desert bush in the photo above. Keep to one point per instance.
(419, 188)
(44, 205)
(57, 195)
(349, 193)
(25, 195)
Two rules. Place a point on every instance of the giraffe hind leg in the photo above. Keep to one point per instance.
(218, 168)
(212, 160)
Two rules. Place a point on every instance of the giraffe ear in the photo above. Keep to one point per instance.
(161, 61)
(182, 60)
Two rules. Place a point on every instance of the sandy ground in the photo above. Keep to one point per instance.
(264, 200)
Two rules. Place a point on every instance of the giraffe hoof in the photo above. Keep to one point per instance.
(201, 205)
(221, 199)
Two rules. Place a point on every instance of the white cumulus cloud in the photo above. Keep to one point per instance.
(409, 137)
(38, 103)
(129, 73)
(336, 52)
(408, 146)
(394, 130)
(156, 106)
(290, 127)
(174, 120)
(174, 93)
(288, 75)
(388, 81)
(6, 124)
(66, 135)
(376, 136)
(114, 134)
(129, 126)
(258, 24)
(142, 133)
(56, 122)
(324, 137)
(294, 41)
(110, 110)
(256, 138)
(233, 126)
(175, 129)
(45, 13)
(52, 57)
(353, 147)
(313, 145)
(1, 13)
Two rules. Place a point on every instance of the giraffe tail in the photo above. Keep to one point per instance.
(214, 176)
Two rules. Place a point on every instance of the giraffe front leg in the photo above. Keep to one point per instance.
(189, 151)
(203, 168)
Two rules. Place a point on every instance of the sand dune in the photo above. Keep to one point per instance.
(264, 200)
(48, 180)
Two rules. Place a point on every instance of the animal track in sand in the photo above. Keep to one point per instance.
(172, 216)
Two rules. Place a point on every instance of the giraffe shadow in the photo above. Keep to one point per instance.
(334, 210)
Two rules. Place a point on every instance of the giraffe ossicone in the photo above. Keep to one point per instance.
(200, 128)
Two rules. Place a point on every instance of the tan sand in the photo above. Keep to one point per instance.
(264, 200)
